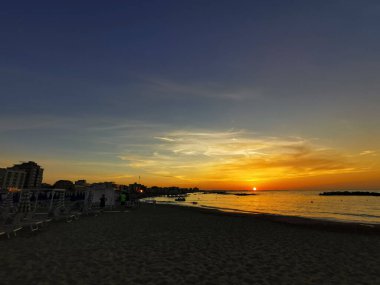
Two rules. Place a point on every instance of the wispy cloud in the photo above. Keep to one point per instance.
(63, 122)
(19, 123)
(368, 152)
(165, 139)
(119, 149)
(205, 90)
(238, 155)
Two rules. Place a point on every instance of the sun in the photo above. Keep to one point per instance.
(254, 188)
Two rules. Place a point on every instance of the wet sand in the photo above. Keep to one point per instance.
(177, 245)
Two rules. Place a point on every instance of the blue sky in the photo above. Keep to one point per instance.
(92, 82)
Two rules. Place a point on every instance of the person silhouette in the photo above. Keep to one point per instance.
(103, 201)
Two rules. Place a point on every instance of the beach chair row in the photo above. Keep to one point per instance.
(33, 213)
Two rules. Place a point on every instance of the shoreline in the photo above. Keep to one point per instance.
(312, 223)
(361, 211)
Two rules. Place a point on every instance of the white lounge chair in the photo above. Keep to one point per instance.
(58, 210)
(9, 225)
(28, 217)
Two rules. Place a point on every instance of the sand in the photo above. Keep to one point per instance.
(177, 245)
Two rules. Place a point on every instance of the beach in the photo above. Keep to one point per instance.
(163, 244)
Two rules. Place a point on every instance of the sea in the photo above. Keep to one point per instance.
(300, 203)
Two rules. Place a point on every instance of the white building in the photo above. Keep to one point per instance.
(108, 189)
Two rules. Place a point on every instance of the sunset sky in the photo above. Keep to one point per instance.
(214, 94)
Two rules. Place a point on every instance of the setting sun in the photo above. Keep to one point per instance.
(254, 189)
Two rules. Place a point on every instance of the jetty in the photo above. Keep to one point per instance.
(349, 193)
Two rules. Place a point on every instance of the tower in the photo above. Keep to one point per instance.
(33, 174)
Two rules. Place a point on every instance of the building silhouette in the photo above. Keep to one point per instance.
(12, 178)
(33, 174)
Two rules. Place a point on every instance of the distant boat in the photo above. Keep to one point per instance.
(180, 199)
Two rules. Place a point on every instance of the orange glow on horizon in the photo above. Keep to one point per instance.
(231, 161)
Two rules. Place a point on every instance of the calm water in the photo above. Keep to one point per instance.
(291, 203)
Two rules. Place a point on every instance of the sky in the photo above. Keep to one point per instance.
(212, 94)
